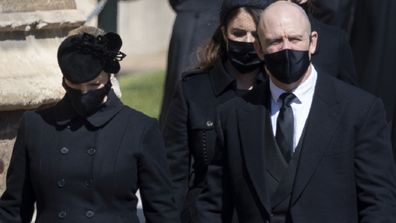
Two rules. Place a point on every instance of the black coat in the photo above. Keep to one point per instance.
(335, 12)
(374, 48)
(195, 23)
(345, 172)
(189, 131)
(83, 170)
(333, 53)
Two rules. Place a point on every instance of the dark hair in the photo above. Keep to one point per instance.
(216, 47)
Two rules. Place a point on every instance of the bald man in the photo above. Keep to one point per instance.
(304, 147)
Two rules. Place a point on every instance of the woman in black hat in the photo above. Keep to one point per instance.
(84, 159)
(229, 67)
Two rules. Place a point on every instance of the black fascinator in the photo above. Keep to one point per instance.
(82, 57)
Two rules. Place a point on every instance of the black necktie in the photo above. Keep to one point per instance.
(285, 126)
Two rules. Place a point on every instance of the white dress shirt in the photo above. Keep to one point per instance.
(301, 105)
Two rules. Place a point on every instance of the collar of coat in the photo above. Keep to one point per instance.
(65, 114)
(221, 79)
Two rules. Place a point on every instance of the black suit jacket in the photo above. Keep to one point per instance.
(88, 170)
(345, 172)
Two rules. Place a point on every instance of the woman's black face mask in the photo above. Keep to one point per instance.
(86, 104)
(243, 56)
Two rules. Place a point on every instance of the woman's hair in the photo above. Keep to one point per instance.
(216, 47)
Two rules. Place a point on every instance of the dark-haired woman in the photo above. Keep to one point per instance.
(229, 67)
(84, 159)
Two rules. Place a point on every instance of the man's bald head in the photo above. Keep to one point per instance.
(285, 23)
(282, 12)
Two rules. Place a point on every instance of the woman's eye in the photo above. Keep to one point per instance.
(239, 33)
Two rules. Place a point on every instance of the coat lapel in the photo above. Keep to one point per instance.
(320, 127)
(251, 127)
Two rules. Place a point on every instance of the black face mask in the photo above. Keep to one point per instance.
(243, 56)
(87, 103)
(287, 66)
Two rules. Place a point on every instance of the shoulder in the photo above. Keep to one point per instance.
(138, 118)
(194, 75)
(349, 94)
(193, 81)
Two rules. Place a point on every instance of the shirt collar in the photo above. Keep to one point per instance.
(301, 92)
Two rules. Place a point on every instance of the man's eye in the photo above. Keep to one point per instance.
(275, 41)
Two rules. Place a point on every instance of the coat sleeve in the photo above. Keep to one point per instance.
(17, 202)
(175, 133)
(347, 71)
(215, 203)
(154, 179)
(375, 169)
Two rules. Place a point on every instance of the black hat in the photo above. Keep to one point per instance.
(83, 57)
(229, 5)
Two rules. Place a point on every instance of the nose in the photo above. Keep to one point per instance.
(250, 38)
(285, 44)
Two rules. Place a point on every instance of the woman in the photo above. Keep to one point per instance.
(229, 67)
(84, 159)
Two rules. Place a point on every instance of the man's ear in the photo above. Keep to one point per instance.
(313, 42)
(259, 49)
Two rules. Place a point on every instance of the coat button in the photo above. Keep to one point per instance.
(89, 214)
(62, 214)
(91, 151)
(61, 183)
(64, 150)
(209, 123)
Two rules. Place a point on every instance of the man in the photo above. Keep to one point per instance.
(333, 53)
(304, 147)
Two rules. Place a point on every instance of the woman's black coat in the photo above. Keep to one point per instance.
(189, 131)
(88, 170)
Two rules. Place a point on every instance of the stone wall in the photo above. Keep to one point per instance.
(30, 33)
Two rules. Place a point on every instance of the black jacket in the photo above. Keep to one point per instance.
(333, 53)
(345, 172)
(88, 170)
(189, 131)
(195, 5)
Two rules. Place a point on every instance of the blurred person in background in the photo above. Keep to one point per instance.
(228, 67)
(195, 23)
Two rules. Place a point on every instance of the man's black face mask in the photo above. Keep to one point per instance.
(287, 66)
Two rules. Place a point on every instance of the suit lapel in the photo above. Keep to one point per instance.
(251, 127)
(320, 127)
